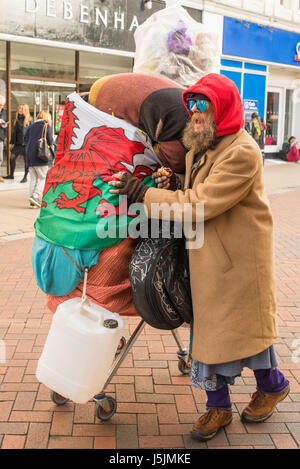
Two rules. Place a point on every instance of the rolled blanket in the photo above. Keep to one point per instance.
(108, 283)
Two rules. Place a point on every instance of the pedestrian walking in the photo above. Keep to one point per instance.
(232, 274)
(37, 168)
(3, 125)
(17, 145)
(258, 129)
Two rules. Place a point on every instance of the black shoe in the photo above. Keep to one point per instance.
(8, 177)
(24, 179)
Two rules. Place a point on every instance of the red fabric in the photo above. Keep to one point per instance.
(108, 283)
(227, 104)
(293, 155)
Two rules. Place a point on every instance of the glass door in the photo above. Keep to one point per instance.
(274, 133)
(39, 96)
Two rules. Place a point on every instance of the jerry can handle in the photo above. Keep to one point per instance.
(83, 296)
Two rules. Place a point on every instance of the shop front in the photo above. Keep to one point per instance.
(264, 64)
(49, 48)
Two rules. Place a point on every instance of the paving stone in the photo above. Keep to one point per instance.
(144, 384)
(250, 439)
(125, 392)
(190, 443)
(294, 428)
(94, 430)
(24, 400)
(284, 441)
(13, 442)
(105, 442)
(127, 437)
(161, 442)
(167, 413)
(156, 398)
(148, 425)
(62, 423)
(70, 442)
(38, 435)
(13, 428)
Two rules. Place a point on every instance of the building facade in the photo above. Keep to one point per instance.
(48, 48)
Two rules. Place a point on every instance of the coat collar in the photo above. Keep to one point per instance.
(209, 157)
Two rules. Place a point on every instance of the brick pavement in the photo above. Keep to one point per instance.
(156, 405)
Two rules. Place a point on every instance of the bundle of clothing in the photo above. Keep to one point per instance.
(131, 122)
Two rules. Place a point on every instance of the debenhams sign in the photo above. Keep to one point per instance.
(97, 23)
(84, 15)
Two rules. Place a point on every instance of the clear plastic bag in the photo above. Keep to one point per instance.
(172, 44)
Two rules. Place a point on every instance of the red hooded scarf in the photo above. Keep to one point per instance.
(226, 101)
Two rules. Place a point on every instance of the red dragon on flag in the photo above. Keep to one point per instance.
(92, 146)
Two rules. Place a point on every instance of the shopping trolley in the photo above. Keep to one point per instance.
(106, 405)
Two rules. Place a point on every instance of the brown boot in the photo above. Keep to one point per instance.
(262, 406)
(210, 423)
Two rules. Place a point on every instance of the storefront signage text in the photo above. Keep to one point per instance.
(297, 57)
(66, 11)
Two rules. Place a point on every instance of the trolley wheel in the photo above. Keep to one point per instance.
(103, 414)
(58, 399)
(121, 345)
(184, 367)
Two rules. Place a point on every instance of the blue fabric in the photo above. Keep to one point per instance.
(32, 134)
(55, 273)
(214, 377)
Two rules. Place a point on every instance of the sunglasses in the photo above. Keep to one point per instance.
(200, 104)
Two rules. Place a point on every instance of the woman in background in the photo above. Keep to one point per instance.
(37, 167)
(21, 122)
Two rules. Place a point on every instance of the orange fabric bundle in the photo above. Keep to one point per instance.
(108, 283)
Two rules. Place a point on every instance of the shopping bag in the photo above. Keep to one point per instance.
(172, 44)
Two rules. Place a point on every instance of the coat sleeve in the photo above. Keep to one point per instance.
(226, 185)
(26, 135)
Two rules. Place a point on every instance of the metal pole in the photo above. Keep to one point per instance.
(178, 340)
(124, 352)
(77, 70)
(8, 100)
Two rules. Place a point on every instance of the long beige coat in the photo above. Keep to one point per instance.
(232, 274)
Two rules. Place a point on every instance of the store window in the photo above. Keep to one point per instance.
(288, 114)
(93, 66)
(35, 61)
(3, 68)
(272, 118)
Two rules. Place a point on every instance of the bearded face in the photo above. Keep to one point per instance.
(200, 132)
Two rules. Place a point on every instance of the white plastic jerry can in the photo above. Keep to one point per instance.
(80, 349)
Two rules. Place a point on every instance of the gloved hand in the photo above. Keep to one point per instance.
(129, 185)
(164, 178)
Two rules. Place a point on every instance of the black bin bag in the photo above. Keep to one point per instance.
(159, 277)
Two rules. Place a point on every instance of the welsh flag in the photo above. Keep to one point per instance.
(77, 205)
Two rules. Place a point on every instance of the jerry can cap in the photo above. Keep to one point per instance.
(110, 323)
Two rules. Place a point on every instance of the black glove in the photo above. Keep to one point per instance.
(127, 184)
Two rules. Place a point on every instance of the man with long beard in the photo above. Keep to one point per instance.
(232, 274)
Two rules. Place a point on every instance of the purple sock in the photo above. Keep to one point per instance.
(270, 381)
(219, 399)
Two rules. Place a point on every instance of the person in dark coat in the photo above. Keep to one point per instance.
(3, 125)
(21, 122)
(37, 167)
